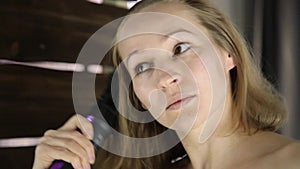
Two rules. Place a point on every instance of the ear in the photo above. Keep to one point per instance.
(229, 62)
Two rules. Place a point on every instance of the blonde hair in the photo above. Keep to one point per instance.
(255, 103)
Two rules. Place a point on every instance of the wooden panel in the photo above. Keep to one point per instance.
(33, 100)
(50, 30)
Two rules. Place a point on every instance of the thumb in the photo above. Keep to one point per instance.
(79, 122)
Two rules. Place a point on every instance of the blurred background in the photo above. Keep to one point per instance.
(44, 32)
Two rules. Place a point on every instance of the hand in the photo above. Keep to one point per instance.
(67, 144)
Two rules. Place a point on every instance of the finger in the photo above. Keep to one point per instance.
(73, 140)
(69, 144)
(52, 153)
(78, 121)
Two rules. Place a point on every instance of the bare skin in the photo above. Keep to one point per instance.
(240, 151)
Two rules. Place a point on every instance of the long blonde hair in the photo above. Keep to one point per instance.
(255, 102)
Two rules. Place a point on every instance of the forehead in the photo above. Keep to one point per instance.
(160, 20)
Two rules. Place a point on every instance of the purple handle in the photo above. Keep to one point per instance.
(58, 164)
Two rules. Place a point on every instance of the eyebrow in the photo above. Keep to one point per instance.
(164, 38)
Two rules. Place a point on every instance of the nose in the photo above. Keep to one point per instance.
(166, 80)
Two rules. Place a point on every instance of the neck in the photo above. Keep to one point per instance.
(211, 153)
(208, 143)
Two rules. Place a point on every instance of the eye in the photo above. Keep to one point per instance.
(181, 48)
(142, 67)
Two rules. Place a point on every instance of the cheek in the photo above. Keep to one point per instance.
(142, 92)
(199, 72)
(203, 83)
(152, 99)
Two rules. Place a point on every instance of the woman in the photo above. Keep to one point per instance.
(184, 62)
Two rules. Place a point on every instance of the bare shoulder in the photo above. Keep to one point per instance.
(289, 154)
(275, 151)
(286, 153)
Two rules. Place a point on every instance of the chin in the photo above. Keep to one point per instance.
(183, 121)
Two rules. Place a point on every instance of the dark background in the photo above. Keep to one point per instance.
(33, 100)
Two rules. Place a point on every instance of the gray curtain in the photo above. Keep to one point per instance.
(272, 28)
(278, 43)
(288, 61)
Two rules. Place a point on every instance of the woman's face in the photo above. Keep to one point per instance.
(168, 69)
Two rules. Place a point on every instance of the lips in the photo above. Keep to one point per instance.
(178, 102)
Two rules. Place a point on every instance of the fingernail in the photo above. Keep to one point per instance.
(90, 135)
(87, 166)
(78, 166)
(92, 159)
